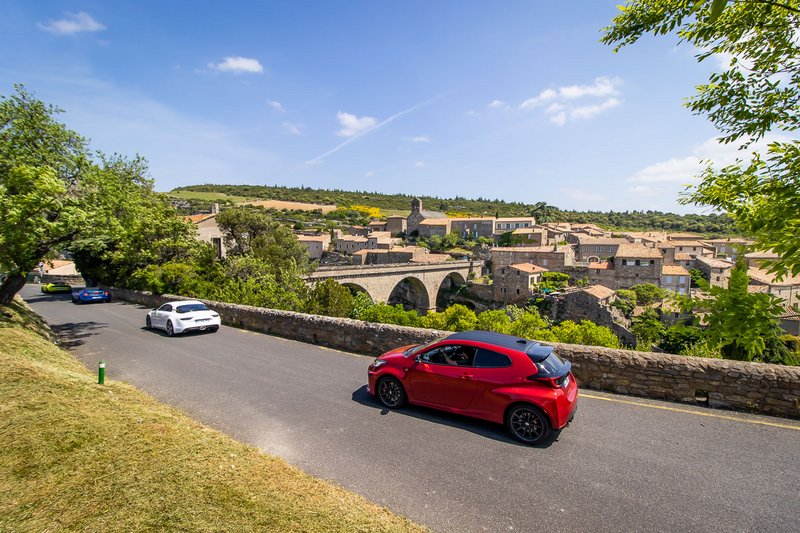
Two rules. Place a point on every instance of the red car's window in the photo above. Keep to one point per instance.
(490, 359)
(453, 355)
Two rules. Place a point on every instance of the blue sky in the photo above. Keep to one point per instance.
(515, 100)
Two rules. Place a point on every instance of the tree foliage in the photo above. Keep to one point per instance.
(648, 329)
(745, 325)
(647, 293)
(755, 95)
(54, 196)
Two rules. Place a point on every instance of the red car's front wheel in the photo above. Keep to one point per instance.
(528, 424)
(391, 393)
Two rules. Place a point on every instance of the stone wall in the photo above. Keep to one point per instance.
(340, 333)
(756, 387)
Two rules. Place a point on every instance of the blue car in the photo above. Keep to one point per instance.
(90, 294)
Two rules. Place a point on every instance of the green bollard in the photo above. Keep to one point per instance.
(101, 373)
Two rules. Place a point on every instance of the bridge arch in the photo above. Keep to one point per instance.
(411, 293)
(356, 288)
(448, 288)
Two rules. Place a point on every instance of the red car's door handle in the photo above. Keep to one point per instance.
(466, 376)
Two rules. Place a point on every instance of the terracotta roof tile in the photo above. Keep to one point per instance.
(674, 270)
(529, 268)
(599, 291)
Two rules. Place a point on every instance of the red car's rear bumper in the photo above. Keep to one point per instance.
(566, 404)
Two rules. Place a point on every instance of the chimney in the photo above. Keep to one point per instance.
(214, 209)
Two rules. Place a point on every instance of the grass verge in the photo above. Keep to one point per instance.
(80, 456)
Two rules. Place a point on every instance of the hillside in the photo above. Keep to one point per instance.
(709, 225)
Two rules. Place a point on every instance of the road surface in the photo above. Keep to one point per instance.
(624, 464)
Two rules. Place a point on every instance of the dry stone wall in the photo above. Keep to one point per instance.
(755, 387)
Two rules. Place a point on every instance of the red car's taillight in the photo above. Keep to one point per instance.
(557, 383)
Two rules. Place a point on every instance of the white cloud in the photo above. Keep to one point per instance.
(419, 139)
(586, 112)
(419, 164)
(543, 97)
(601, 87)
(353, 125)
(277, 106)
(472, 113)
(369, 173)
(72, 23)
(562, 102)
(670, 176)
(370, 129)
(559, 119)
(293, 128)
(238, 65)
(675, 170)
(498, 104)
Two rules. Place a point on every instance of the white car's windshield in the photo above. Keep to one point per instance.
(188, 308)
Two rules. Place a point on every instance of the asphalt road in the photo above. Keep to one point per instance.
(624, 464)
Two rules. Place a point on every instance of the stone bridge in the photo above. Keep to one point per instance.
(410, 284)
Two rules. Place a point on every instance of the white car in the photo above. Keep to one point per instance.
(184, 315)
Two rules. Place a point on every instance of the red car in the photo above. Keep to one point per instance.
(492, 376)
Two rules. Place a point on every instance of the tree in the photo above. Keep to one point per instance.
(755, 95)
(648, 329)
(41, 162)
(587, 333)
(241, 226)
(330, 298)
(53, 197)
(495, 320)
(455, 318)
(130, 226)
(647, 293)
(531, 325)
(281, 249)
(744, 325)
(542, 212)
(552, 281)
(679, 338)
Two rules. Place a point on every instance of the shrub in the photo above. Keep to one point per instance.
(679, 338)
(494, 320)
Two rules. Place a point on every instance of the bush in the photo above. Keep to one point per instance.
(587, 333)
(494, 320)
(679, 337)
(455, 318)
(647, 293)
(391, 314)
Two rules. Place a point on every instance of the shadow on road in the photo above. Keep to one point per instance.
(49, 298)
(184, 334)
(74, 334)
(473, 425)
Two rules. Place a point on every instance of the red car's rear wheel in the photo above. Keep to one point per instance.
(528, 424)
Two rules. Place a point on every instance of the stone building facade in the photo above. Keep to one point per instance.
(513, 283)
(554, 257)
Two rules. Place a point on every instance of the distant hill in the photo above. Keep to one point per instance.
(709, 225)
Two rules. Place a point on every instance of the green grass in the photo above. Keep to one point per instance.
(78, 456)
(209, 196)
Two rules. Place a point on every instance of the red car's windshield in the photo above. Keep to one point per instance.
(414, 350)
